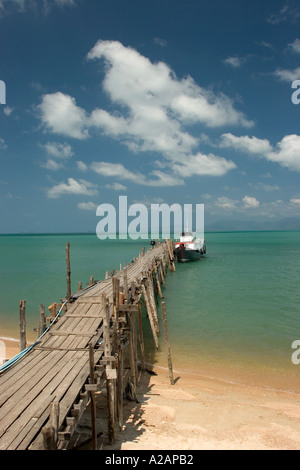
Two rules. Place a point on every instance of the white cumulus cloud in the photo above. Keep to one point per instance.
(250, 202)
(60, 114)
(286, 152)
(87, 206)
(80, 187)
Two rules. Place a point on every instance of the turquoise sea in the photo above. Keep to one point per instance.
(233, 315)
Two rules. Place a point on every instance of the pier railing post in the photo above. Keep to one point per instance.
(167, 343)
(110, 375)
(150, 316)
(141, 336)
(50, 431)
(92, 396)
(22, 325)
(42, 323)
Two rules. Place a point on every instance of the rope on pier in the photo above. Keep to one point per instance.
(7, 365)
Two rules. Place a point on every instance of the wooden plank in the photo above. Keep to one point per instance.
(73, 390)
(25, 394)
(128, 308)
(73, 333)
(17, 404)
(82, 316)
(111, 374)
(85, 299)
(19, 371)
(16, 433)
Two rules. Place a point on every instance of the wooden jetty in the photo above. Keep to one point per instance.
(44, 394)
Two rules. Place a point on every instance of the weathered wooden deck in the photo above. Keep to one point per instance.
(57, 370)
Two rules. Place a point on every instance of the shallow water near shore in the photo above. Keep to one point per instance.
(232, 315)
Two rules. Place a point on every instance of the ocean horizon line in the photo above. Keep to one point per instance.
(141, 239)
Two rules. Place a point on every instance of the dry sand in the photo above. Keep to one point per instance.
(199, 413)
(12, 347)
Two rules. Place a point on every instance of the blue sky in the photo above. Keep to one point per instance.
(162, 101)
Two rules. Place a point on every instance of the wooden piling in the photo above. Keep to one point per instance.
(158, 283)
(120, 388)
(161, 273)
(92, 397)
(141, 336)
(125, 290)
(42, 322)
(110, 376)
(172, 264)
(167, 344)
(132, 356)
(22, 325)
(116, 300)
(150, 292)
(50, 431)
(149, 311)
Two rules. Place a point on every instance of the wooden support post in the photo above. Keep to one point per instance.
(50, 431)
(116, 293)
(110, 381)
(120, 387)
(150, 291)
(79, 285)
(150, 316)
(133, 290)
(135, 345)
(132, 356)
(68, 272)
(125, 290)
(141, 336)
(92, 397)
(161, 273)
(42, 322)
(167, 344)
(22, 325)
(158, 283)
(106, 327)
(172, 264)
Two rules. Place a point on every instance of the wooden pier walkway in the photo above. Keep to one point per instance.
(44, 394)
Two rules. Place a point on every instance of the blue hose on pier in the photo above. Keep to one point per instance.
(23, 353)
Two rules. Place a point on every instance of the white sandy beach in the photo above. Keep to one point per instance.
(199, 413)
